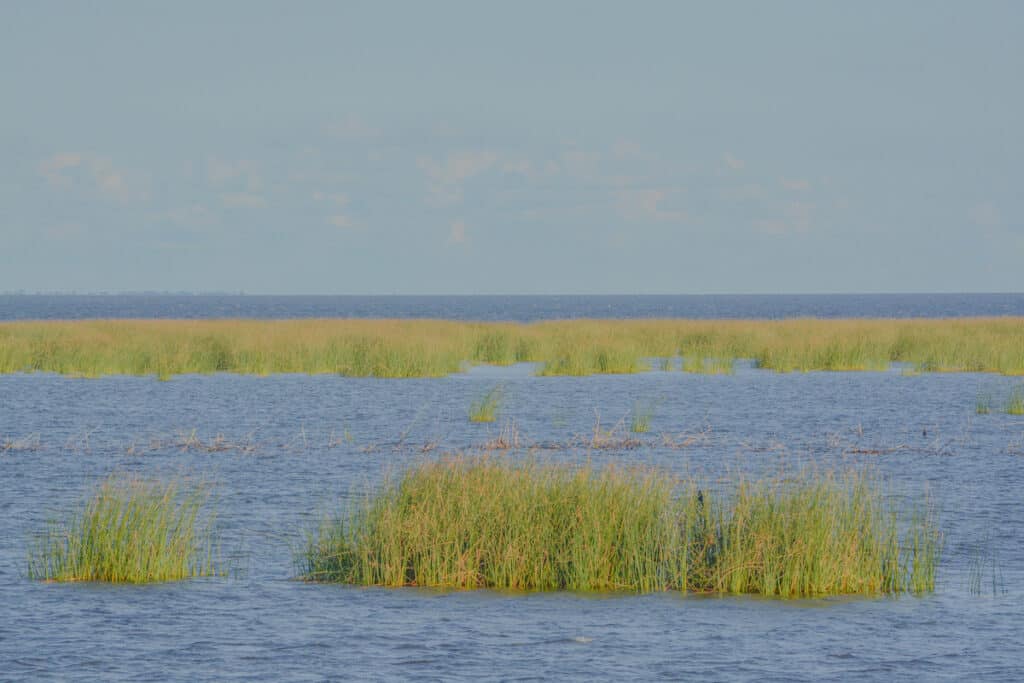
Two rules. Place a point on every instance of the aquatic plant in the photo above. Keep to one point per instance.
(983, 405)
(641, 418)
(508, 437)
(985, 571)
(708, 366)
(1015, 403)
(485, 408)
(475, 522)
(130, 531)
(435, 348)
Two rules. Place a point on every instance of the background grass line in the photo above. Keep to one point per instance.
(434, 348)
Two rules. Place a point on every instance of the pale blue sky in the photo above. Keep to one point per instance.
(517, 147)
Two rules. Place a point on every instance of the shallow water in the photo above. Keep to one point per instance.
(280, 451)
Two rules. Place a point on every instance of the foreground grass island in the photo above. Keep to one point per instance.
(485, 522)
(130, 531)
(434, 348)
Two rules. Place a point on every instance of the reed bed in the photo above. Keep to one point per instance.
(489, 522)
(434, 348)
(130, 531)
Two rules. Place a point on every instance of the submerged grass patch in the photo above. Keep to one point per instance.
(708, 366)
(434, 348)
(130, 531)
(641, 420)
(1015, 403)
(487, 522)
(485, 408)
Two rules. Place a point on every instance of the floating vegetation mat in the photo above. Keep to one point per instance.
(130, 531)
(493, 522)
(434, 348)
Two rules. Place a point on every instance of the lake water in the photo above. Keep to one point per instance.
(519, 308)
(280, 451)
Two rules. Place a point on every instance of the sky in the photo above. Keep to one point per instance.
(512, 148)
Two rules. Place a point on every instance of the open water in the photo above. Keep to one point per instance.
(281, 451)
(517, 308)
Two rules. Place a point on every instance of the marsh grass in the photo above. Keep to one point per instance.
(1015, 402)
(983, 404)
(708, 366)
(985, 573)
(130, 531)
(490, 522)
(435, 348)
(485, 408)
(641, 417)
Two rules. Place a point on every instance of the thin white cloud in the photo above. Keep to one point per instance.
(797, 185)
(340, 220)
(734, 163)
(337, 201)
(519, 166)
(63, 232)
(447, 178)
(220, 172)
(645, 205)
(51, 168)
(578, 163)
(627, 149)
(351, 127)
(457, 232)
(459, 167)
(985, 215)
(109, 181)
(192, 218)
(336, 198)
(538, 170)
(70, 170)
(795, 220)
(749, 192)
(771, 226)
(243, 200)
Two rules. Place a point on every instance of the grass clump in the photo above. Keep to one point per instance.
(130, 531)
(487, 522)
(983, 405)
(641, 420)
(485, 408)
(708, 366)
(1015, 403)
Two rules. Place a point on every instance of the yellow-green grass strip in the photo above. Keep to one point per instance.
(492, 522)
(130, 531)
(435, 348)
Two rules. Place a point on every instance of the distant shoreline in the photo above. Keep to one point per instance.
(513, 307)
